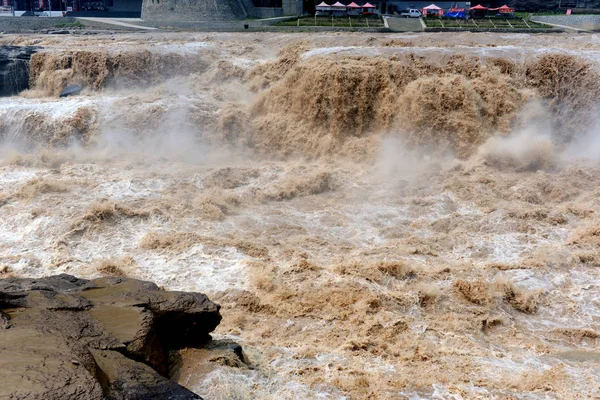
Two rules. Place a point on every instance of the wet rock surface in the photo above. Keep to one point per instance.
(71, 90)
(62, 337)
(14, 68)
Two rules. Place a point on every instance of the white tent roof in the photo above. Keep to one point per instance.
(432, 7)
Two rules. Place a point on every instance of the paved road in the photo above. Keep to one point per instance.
(118, 22)
(568, 28)
(405, 24)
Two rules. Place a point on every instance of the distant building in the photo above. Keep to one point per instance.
(122, 8)
(218, 10)
(167, 10)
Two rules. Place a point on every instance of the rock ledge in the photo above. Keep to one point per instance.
(64, 338)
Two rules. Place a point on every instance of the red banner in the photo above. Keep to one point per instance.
(5, 3)
(40, 4)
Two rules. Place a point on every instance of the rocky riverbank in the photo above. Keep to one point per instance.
(63, 338)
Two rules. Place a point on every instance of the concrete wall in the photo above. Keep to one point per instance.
(192, 10)
(266, 12)
(292, 7)
(587, 22)
(238, 26)
(289, 7)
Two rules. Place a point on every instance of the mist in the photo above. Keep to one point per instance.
(400, 216)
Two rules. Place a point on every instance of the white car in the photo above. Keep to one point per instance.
(411, 13)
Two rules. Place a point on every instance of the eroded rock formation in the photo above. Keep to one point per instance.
(14, 69)
(63, 338)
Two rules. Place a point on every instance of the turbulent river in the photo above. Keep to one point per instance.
(380, 216)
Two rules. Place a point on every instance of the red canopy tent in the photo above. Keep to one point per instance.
(338, 9)
(478, 11)
(337, 6)
(432, 9)
(353, 8)
(504, 9)
(323, 7)
(368, 9)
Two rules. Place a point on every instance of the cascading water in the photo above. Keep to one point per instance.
(379, 216)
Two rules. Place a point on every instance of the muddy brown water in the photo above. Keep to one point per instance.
(380, 216)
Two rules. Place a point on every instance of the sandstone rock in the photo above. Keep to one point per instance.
(131, 380)
(192, 365)
(199, 362)
(62, 337)
(4, 321)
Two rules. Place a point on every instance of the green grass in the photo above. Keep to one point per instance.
(76, 24)
(484, 23)
(346, 22)
(523, 15)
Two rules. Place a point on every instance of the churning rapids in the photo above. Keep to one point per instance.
(382, 217)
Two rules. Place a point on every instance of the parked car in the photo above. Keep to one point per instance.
(411, 13)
